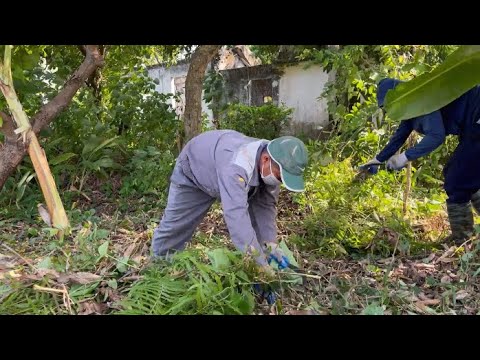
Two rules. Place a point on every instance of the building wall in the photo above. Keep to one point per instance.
(300, 89)
(249, 85)
(292, 86)
(172, 80)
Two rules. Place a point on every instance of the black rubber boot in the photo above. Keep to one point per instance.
(460, 217)
(476, 202)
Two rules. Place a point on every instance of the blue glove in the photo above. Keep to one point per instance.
(371, 166)
(276, 253)
(373, 169)
(265, 293)
(283, 263)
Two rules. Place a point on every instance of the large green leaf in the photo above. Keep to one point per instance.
(103, 249)
(296, 279)
(105, 143)
(219, 258)
(373, 309)
(431, 91)
(104, 162)
(94, 144)
(62, 158)
(46, 263)
(4, 289)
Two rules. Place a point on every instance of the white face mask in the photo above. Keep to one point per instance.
(270, 179)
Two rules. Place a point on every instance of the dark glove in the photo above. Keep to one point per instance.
(371, 166)
(265, 293)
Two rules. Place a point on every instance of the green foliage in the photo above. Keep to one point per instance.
(124, 96)
(271, 54)
(189, 286)
(347, 213)
(20, 195)
(148, 172)
(266, 53)
(21, 300)
(29, 76)
(129, 107)
(359, 67)
(123, 110)
(358, 128)
(142, 115)
(265, 122)
(98, 155)
(431, 91)
(213, 87)
(125, 128)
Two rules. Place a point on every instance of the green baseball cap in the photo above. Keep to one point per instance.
(291, 155)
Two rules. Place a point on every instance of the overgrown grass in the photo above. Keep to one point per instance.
(346, 211)
(17, 299)
(341, 215)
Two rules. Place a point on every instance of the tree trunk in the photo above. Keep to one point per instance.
(13, 151)
(193, 89)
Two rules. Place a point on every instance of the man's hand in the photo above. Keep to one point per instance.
(274, 252)
(268, 271)
(264, 290)
(396, 162)
(371, 166)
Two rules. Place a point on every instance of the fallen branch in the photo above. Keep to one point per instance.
(50, 290)
(302, 274)
(67, 300)
(20, 256)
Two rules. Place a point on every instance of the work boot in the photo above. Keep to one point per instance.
(476, 201)
(460, 217)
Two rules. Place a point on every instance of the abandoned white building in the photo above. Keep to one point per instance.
(251, 83)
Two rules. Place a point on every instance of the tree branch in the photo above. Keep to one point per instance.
(49, 111)
(8, 127)
(12, 153)
(82, 49)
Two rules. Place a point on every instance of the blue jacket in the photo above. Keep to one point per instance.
(450, 120)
